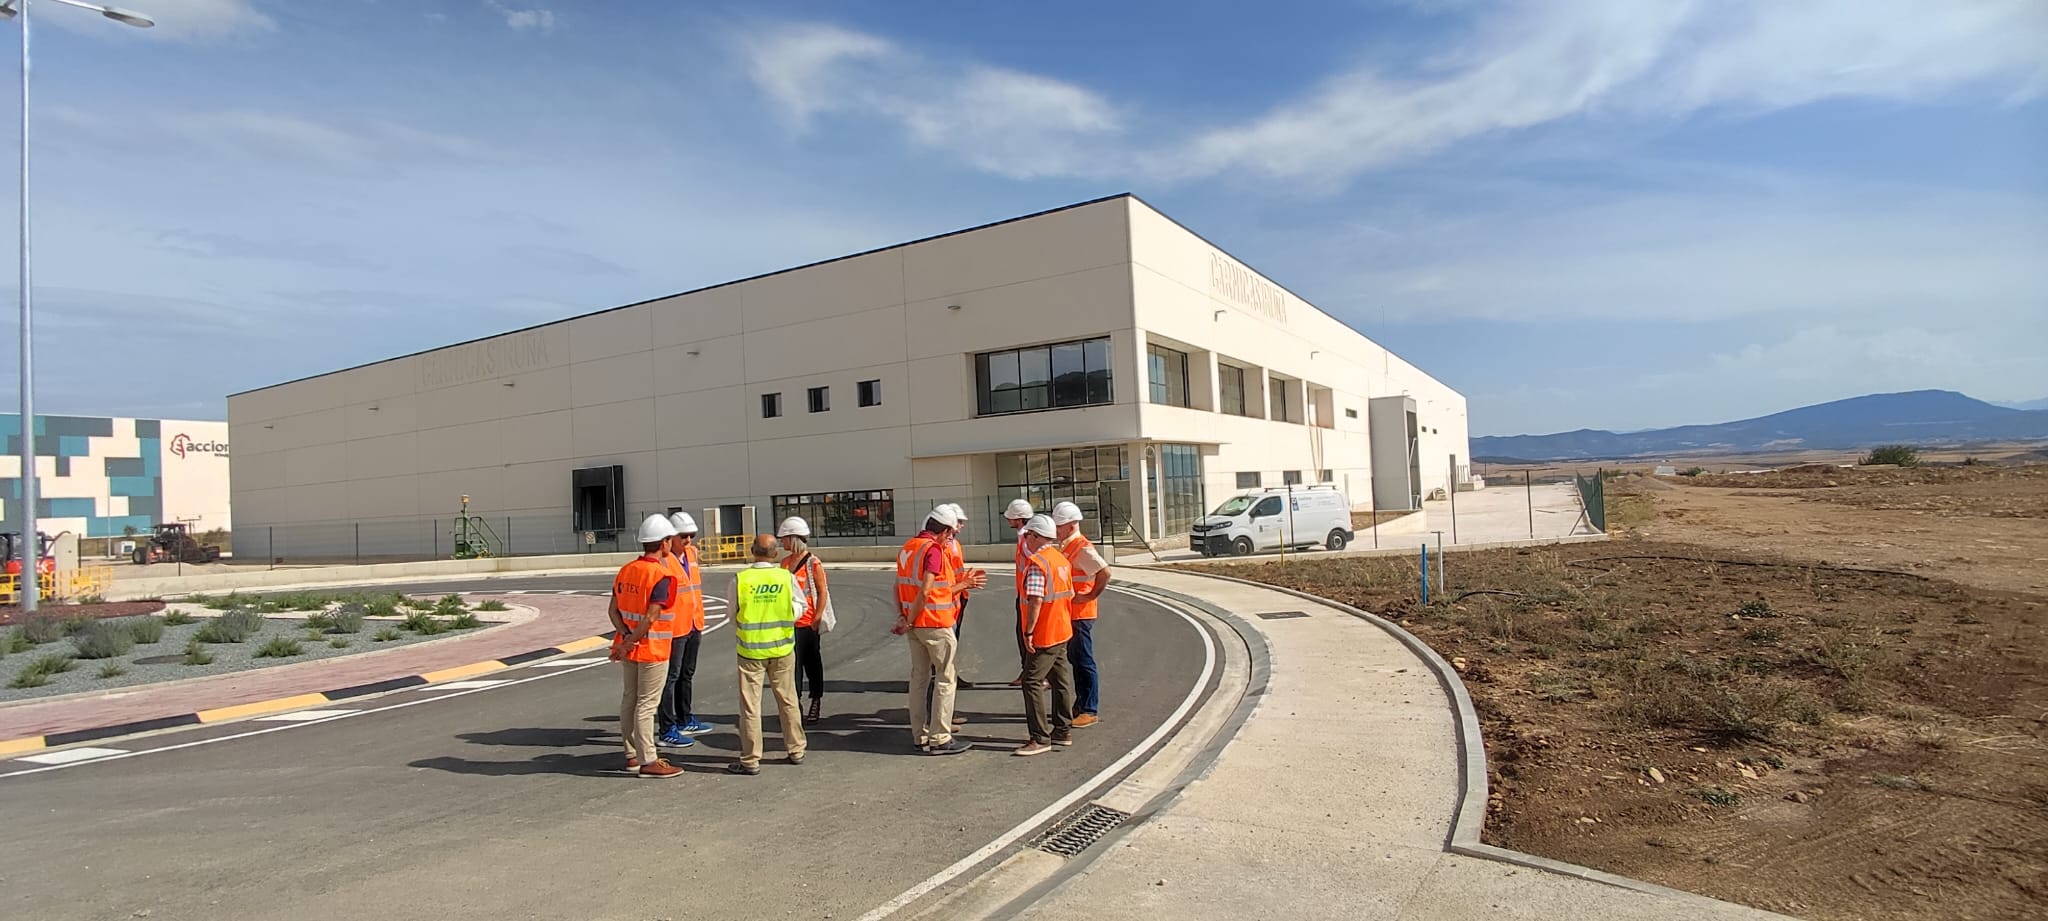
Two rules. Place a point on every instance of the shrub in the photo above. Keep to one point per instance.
(381, 605)
(103, 640)
(233, 627)
(112, 670)
(16, 641)
(465, 621)
(93, 599)
(1692, 471)
(42, 628)
(492, 605)
(424, 624)
(29, 678)
(387, 634)
(1718, 797)
(300, 601)
(225, 602)
(177, 618)
(339, 642)
(76, 625)
(1895, 455)
(420, 604)
(1757, 608)
(280, 647)
(346, 619)
(196, 654)
(451, 601)
(145, 630)
(55, 663)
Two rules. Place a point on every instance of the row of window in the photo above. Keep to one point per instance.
(819, 399)
(870, 513)
(1169, 379)
(1287, 478)
(1057, 376)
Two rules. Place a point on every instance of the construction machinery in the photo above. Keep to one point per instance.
(173, 543)
(10, 549)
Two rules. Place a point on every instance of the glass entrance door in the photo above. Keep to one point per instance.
(1097, 479)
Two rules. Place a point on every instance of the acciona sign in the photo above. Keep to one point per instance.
(1243, 287)
(183, 445)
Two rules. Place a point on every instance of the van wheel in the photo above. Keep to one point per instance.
(1241, 546)
(1337, 541)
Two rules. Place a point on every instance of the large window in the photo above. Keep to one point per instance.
(1279, 400)
(1168, 374)
(1175, 484)
(1231, 378)
(1043, 377)
(1096, 479)
(842, 514)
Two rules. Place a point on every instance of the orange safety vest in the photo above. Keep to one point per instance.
(632, 589)
(689, 606)
(958, 558)
(811, 586)
(941, 608)
(1055, 615)
(1083, 584)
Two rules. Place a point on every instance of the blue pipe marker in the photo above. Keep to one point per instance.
(1425, 573)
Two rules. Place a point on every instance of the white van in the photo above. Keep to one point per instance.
(1267, 519)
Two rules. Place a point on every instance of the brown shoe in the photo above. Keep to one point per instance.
(1063, 740)
(796, 759)
(1018, 683)
(632, 763)
(1085, 720)
(1032, 748)
(660, 769)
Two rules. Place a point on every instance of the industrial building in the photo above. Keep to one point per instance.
(1100, 352)
(102, 476)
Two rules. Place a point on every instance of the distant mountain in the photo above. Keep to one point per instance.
(2029, 404)
(1921, 417)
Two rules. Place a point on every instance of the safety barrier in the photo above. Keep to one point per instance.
(728, 549)
(85, 582)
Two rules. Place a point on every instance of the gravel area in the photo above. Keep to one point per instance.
(164, 660)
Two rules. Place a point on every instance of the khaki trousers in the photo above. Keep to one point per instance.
(931, 670)
(780, 675)
(644, 681)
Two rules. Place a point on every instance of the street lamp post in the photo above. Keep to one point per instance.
(31, 546)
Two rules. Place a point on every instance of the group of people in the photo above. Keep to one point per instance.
(781, 605)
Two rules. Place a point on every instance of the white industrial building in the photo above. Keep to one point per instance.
(1100, 351)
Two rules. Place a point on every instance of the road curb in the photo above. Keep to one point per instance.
(11, 747)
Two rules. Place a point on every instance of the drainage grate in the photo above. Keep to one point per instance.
(1073, 834)
(1282, 615)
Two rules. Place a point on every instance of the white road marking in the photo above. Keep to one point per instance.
(301, 716)
(111, 754)
(468, 685)
(70, 755)
(564, 663)
(1088, 786)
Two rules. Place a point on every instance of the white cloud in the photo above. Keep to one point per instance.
(1000, 120)
(542, 20)
(175, 19)
(1522, 66)
(341, 144)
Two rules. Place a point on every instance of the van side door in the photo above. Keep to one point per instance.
(1267, 519)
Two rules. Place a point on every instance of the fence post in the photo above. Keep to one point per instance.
(359, 543)
(1425, 572)
(437, 538)
(1529, 498)
(508, 535)
(1451, 486)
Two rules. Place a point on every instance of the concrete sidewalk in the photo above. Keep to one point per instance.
(559, 619)
(1336, 799)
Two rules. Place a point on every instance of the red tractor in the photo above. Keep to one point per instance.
(10, 547)
(173, 543)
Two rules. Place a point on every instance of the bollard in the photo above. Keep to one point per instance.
(1425, 572)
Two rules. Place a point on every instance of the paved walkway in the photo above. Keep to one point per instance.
(561, 619)
(1508, 512)
(1335, 799)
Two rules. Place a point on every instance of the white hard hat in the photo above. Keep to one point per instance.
(656, 528)
(1018, 510)
(683, 523)
(1042, 526)
(793, 527)
(958, 512)
(944, 516)
(1066, 513)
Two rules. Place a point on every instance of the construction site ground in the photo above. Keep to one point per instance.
(1727, 700)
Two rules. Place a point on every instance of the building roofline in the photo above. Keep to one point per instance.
(723, 284)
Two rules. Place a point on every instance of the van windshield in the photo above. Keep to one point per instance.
(1235, 506)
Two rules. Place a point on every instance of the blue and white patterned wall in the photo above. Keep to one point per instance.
(99, 476)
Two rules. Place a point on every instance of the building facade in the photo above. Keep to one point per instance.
(1099, 352)
(100, 476)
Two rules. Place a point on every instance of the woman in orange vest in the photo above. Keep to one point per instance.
(643, 625)
(1045, 583)
(795, 534)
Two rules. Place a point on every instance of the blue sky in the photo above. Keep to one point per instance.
(1598, 213)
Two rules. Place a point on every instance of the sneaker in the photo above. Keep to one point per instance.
(695, 727)
(1062, 740)
(660, 769)
(746, 769)
(674, 738)
(632, 764)
(963, 684)
(959, 721)
(948, 747)
(1031, 748)
(1085, 720)
(796, 759)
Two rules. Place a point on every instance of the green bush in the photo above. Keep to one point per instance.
(29, 678)
(1692, 471)
(345, 619)
(112, 670)
(42, 628)
(55, 663)
(103, 640)
(381, 605)
(419, 604)
(77, 624)
(451, 602)
(232, 627)
(465, 621)
(301, 601)
(1895, 455)
(339, 642)
(1718, 797)
(492, 605)
(146, 629)
(424, 624)
(280, 647)
(196, 654)
(387, 634)
(16, 641)
(225, 602)
(177, 618)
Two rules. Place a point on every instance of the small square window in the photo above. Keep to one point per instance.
(1329, 476)
(1351, 414)
(870, 393)
(1290, 477)
(771, 405)
(821, 399)
(1248, 481)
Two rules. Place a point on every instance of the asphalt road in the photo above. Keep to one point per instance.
(504, 804)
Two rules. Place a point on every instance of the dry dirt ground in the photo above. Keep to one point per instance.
(1743, 713)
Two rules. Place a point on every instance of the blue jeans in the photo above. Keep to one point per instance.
(1087, 687)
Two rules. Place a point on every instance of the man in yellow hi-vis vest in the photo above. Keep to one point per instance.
(766, 607)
